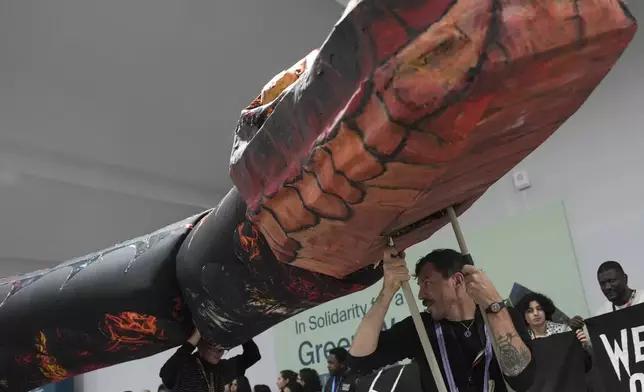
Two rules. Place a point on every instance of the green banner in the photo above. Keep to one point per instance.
(533, 249)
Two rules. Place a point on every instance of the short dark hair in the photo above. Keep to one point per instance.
(610, 265)
(261, 388)
(446, 261)
(340, 353)
(546, 304)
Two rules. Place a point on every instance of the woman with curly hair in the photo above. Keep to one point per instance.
(537, 310)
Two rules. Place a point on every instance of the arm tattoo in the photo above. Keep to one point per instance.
(512, 360)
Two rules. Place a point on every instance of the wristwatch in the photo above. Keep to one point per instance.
(495, 307)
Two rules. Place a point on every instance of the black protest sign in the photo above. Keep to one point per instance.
(400, 378)
(618, 345)
(561, 364)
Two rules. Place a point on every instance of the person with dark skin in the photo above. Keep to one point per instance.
(454, 293)
(613, 282)
(205, 371)
(336, 367)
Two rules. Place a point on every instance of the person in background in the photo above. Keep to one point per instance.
(454, 293)
(335, 364)
(240, 384)
(205, 371)
(286, 377)
(613, 282)
(310, 380)
(261, 388)
(537, 310)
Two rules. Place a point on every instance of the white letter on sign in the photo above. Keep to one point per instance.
(638, 378)
(618, 354)
(638, 344)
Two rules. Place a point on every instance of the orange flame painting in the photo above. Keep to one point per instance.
(49, 366)
(131, 330)
(249, 243)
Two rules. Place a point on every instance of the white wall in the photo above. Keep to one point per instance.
(46, 222)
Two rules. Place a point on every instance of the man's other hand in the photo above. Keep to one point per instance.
(195, 338)
(577, 322)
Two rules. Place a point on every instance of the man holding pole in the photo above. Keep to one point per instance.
(455, 294)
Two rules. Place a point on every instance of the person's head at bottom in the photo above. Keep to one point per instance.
(162, 388)
(442, 284)
(310, 380)
(286, 377)
(240, 384)
(261, 388)
(537, 310)
(335, 361)
(210, 353)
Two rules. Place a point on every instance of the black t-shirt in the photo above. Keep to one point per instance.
(470, 347)
(401, 341)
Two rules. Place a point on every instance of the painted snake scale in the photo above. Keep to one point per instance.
(410, 106)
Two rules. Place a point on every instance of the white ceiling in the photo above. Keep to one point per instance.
(129, 105)
(148, 87)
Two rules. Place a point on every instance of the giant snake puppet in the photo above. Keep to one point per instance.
(409, 107)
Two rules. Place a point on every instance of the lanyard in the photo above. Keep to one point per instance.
(333, 389)
(446, 365)
(208, 377)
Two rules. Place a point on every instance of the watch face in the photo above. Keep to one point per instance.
(495, 307)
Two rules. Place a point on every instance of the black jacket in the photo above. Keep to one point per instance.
(342, 384)
(401, 341)
(183, 366)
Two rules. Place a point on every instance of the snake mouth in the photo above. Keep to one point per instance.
(436, 216)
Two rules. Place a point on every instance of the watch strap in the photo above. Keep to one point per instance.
(495, 307)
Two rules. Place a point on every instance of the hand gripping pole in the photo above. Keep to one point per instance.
(422, 334)
(466, 254)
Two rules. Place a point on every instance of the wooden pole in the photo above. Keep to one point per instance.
(422, 334)
(466, 253)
